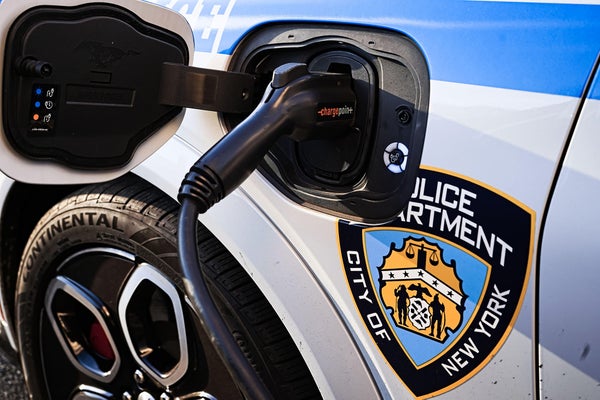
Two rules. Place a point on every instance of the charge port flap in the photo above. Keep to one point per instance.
(80, 87)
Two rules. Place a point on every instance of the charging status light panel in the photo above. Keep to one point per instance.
(85, 103)
(44, 109)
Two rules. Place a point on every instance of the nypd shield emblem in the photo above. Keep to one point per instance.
(422, 293)
(440, 288)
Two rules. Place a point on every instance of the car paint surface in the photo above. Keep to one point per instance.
(506, 85)
(532, 46)
(506, 110)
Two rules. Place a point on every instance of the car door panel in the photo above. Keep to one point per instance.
(568, 316)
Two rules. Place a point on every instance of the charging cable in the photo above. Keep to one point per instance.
(297, 104)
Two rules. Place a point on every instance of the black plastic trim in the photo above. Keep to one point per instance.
(105, 68)
(390, 74)
(206, 89)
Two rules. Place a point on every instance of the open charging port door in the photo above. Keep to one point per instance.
(81, 87)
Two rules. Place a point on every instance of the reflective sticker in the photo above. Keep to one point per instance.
(440, 288)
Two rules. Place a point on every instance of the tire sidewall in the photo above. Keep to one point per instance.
(62, 232)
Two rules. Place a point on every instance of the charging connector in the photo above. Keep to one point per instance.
(297, 104)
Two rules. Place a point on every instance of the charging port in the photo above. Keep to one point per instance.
(355, 175)
(340, 162)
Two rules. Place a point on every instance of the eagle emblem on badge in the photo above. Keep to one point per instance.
(422, 293)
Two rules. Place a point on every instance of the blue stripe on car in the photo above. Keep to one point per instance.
(535, 47)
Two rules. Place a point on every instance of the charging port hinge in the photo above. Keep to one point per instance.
(206, 89)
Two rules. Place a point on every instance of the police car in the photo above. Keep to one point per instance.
(230, 199)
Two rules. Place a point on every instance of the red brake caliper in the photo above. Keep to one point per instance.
(99, 341)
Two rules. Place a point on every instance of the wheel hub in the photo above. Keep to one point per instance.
(134, 337)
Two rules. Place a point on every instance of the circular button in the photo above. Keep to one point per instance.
(395, 157)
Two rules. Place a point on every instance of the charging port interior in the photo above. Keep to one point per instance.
(367, 174)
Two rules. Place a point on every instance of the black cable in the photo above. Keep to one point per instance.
(211, 320)
(292, 105)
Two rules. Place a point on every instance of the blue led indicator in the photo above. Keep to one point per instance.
(38, 91)
(37, 104)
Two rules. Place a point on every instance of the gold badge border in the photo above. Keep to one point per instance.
(485, 361)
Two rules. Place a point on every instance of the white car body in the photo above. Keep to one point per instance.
(535, 148)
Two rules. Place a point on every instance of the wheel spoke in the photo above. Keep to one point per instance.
(78, 318)
(85, 392)
(151, 316)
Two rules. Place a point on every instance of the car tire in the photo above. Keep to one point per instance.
(101, 312)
